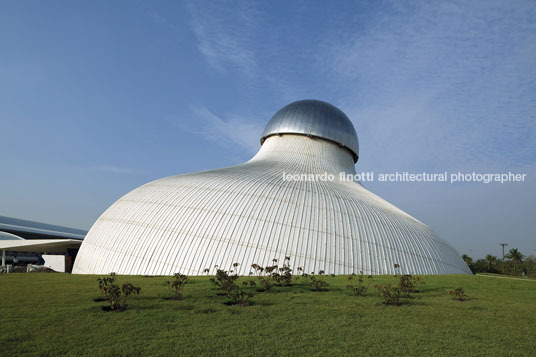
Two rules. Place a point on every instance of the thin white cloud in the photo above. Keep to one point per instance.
(232, 132)
(225, 34)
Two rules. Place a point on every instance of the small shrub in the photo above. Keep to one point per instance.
(226, 281)
(178, 285)
(360, 289)
(127, 289)
(113, 294)
(265, 281)
(408, 284)
(116, 296)
(303, 274)
(390, 294)
(318, 283)
(283, 275)
(239, 296)
(274, 274)
(397, 269)
(105, 282)
(458, 294)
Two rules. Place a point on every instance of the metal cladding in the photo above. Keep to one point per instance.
(250, 214)
(314, 118)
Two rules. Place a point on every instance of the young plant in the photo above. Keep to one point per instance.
(178, 285)
(360, 289)
(239, 296)
(265, 281)
(116, 296)
(303, 274)
(226, 281)
(250, 283)
(105, 281)
(408, 284)
(458, 294)
(318, 283)
(283, 275)
(390, 294)
(272, 272)
(113, 293)
(127, 289)
(397, 269)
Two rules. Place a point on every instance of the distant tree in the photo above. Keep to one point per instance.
(529, 266)
(469, 261)
(480, 266)
(491, 263)
(516, 257)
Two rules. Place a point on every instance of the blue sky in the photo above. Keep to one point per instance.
(97, 98)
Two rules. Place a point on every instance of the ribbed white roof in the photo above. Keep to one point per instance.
(248, 214)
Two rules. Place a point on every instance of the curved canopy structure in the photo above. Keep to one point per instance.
(9, 236)
(257, 211)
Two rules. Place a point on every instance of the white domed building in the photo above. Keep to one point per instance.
(249, 214)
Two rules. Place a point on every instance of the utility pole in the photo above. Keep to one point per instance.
(503, 245)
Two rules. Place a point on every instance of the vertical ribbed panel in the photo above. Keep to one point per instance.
(248, 214)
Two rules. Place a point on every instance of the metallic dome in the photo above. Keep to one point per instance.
(314, 118)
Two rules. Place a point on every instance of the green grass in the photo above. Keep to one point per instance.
(53, 314)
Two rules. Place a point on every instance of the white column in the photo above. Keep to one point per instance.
(3, 257)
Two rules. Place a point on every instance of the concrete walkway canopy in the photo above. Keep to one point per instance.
(28, 237)
(38, 246)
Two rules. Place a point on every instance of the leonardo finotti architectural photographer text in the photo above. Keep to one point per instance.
(410, 177)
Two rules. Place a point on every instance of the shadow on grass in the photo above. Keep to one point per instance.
(243, 304)
(206, 311)
(156, 298)
(109, 309)
(465, 300)
(403, 302)
(172, 298)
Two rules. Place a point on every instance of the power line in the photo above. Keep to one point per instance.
(503, 245)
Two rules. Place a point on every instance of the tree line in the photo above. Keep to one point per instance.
(514, 263)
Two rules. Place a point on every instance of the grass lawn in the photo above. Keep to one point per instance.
(51, 314)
